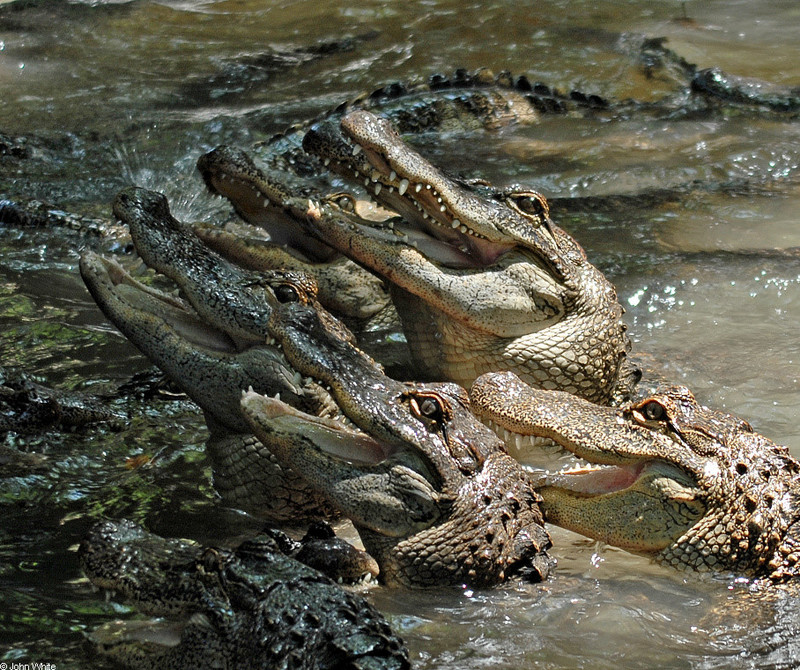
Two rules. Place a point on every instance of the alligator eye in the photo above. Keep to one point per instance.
(654, 411)
(531, 203)
(286, 293)
(431, 408)
(344, 201)
(209, 562)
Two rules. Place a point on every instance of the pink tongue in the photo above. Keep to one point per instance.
(600, 481)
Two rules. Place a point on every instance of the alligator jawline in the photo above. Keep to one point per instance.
(172, 310)
(599, 480)
(331, 436)
(428, 211)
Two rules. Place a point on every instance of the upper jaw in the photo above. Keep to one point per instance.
(482, 227)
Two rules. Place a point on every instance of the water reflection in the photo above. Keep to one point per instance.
(111, 93)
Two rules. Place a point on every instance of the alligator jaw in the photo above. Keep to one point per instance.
(628, 496)
(352, 469)
(260, 200)
(484, 226)
(105, 277)
(330, 436)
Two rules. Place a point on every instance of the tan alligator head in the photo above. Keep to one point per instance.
(669, 478)
(484, 280)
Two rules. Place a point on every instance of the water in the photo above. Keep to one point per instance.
(113, 93)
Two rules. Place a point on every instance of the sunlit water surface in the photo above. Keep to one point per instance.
(133, 92)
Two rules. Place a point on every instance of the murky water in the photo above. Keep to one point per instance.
(111, 93)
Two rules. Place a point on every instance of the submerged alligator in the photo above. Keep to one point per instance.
(27, 405)
(249, 607)
(689, 486)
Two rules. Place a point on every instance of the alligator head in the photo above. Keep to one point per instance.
(251, 606)
(228, 296)
(691, 487)
(212, 368)
(263, 201)
(435, 498)
(485, 280)
(343, 287)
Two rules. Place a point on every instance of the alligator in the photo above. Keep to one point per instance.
(226, 295)
(691, 487)
(453, 500)
(456, 102)
(485, 281)
(432, 493)
(27, 405)
(248, 607)
(344, 288)
(209, 366)
(32, 213)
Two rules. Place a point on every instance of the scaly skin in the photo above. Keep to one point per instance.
(247, 607)
(463, 101)
(754, 93)
(511, 291)
(344, 288)
(433, 495)
(229, 297)
(207, 365)
(691, 487)
(28, 406)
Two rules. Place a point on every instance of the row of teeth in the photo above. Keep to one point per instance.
(403, 186)
(544, 445)
(523, 442)
(300, 382)
(266, 203)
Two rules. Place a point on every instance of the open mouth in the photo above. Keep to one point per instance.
(597, 480)
(337, 438)
(261, 201)
(400, 184)
(169, 307)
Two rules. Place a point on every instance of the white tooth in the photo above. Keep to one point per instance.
(463, 229)
(326, 162)
(356, 150)
(456, 223)
(425, 215)
(428, 186)
(377, 188)
(366, 181)
(391, 189)
(439, 199)
(403, 186)
(442, 208)
(418, 188)
(376, 175)
(392, 175)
